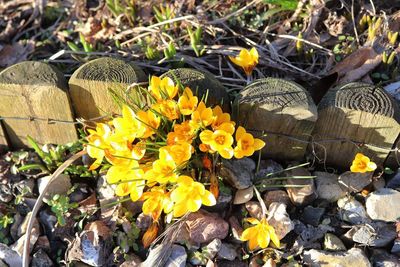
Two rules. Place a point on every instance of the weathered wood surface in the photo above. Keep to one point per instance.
(3, 139)
(89, 86)
(35, 90)
(356, 112)
(203, 83)
(283, 110)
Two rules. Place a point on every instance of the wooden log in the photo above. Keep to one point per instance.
(361, 114)
(201, 83)
(282, 109)
(35, 90)
(3, 139)
(89, 86)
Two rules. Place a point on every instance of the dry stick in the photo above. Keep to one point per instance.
(237, 12)
(38, 204)
(354, 22)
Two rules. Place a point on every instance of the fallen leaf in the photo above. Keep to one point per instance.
(17, 52)
(357, 65)
(95, 230)
(335, 24)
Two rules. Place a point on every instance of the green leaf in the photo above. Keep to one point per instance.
(73, 46)
(28, 167)
(284, 4)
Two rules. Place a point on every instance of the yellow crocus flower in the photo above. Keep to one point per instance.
(98, 142)
(202, 116)
(187, 102)
(162, 89)
(189, 195)
(246, 59)
(155, 202)
(220, 140)
(180, 153)
(130, 181)
(260, 234)
(362, 163)
(167, 108)
(183, 133)
(128, 127)
(150, 120)
(220, 118)
(163, 169)
(246, 144)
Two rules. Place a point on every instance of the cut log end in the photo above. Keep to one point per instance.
(202, 83)
(282, 110)
(110, 70)
(356, 117)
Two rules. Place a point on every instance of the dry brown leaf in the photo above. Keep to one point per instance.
(17, 52)
(335, 24)
(95, 230)
(357, 65)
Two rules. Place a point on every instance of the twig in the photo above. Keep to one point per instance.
(38, 204)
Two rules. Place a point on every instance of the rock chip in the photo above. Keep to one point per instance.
(381, 258)
(254, 209)
(223, 201)
(375, 234)
(132, 260)
(354, 181)
(279, 219)
(312, 215)
(351, 258)
(25, 187)
(267, 167)
(177, 258)
(236, 228)
(394, 182)
(5, 193)
(60, 185)
(9, 256)
(383, 205)
(396, 247)
(379, 183)
(212, 248)
(227, 252)
(93, 246)
(202, 227)
(328, 187)
(352, 211)
(308, 236)
(333, 243)
(277, 196)
(243, 195)
(236, 263)
(41, 259)
(301, 196)
(238, 172)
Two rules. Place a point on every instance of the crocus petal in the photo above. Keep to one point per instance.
(208, 199)
(248, 234)
(263, 239)
(226, 153)
(274, 237)
(239, 132)
(258, 144)
(371, 166)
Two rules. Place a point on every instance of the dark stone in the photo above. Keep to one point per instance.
(41, 259)
(380, 258)
(312, 215)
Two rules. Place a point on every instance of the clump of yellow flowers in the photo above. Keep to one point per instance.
(152, 150)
